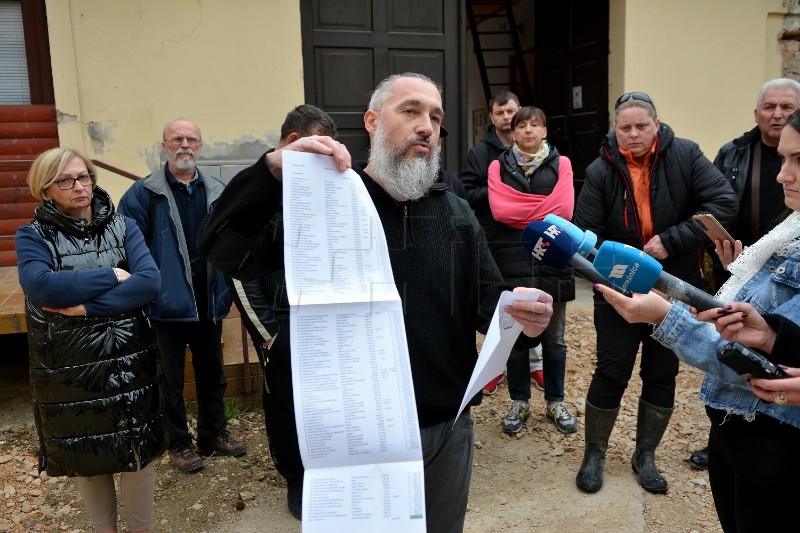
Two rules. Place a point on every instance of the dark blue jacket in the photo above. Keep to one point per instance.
(175, 301)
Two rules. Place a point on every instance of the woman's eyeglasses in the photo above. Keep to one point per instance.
(66, 184)
(643, 97)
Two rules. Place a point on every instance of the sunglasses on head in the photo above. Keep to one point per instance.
(643, 97)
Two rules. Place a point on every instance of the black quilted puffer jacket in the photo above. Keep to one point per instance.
(94, 379)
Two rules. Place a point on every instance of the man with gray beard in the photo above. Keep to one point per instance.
(402, 178)
(447, 280)
(169, 206)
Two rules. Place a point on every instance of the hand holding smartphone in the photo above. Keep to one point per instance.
(712, 228)
(748, 363)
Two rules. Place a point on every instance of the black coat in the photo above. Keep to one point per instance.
(683, 183)
(787, 339)
(515, 263)
(94, 380)
(475, 172)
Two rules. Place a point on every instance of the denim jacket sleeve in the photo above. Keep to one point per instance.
(695, 343)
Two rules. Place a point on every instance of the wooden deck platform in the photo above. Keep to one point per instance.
(12, 302)
(243, 378)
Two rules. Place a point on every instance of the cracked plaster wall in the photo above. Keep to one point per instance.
(123, 69)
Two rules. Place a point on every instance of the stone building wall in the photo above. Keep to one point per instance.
(789, 40)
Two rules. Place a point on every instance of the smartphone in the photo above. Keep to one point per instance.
(748, 363)
(711, 227)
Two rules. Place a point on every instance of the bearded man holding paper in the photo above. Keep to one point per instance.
(447, 280)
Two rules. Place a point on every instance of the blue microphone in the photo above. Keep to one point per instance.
(633, 270)
(553, 247)
(586, 239)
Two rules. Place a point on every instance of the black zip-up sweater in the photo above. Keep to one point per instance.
(448, 282)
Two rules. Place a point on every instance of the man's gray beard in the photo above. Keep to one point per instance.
(178, 162)
(403, 178)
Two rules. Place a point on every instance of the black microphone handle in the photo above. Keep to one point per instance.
(585, 269)
(685, 292)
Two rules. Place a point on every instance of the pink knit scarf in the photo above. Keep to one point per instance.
(518, 209)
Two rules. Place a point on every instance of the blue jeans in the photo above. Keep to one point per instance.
(554, 358)
(447, 452)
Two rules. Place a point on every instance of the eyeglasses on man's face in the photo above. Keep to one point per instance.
(177, 141)
(642, 97)
(67, 183)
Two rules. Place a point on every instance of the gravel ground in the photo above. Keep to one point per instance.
(520, 483)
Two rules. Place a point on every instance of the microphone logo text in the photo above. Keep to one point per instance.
(540, 248)
(620, 270)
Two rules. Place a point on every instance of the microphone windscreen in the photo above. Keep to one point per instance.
(586, 239)
(574, 232)
(548, 243)
(627, 267)
(587, 245)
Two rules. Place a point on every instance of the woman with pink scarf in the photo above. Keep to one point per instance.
(527, 182)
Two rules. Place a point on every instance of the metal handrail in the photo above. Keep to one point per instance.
(115, 170)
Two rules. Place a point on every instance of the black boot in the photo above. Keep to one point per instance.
(650, 426)
(597, 427)
(699, 459)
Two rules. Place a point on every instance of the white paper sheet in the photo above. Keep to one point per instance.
(354, 398)
(497, 344)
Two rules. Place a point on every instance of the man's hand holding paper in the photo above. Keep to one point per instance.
(534, 315)
(527, 310)
(316, 144)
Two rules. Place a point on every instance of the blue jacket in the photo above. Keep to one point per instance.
(175, 301)
(774, 289)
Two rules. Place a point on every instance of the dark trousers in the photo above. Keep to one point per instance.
(447, 451)
(204, 338)
(278, 401)
(617, 344)
(554, 361)
(753, 470)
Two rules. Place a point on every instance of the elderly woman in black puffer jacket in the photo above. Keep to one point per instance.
(87, 276)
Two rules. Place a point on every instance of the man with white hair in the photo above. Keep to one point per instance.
(448, 283)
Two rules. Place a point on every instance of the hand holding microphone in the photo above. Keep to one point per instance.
(631, 269)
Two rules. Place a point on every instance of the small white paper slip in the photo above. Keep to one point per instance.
(500, 338)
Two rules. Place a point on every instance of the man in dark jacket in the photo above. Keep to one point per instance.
(475, 177)
(169, 206)
(264, 309)
(751, 163)
(475, 173)
(447, 281)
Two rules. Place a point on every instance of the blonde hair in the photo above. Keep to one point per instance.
(48, 167)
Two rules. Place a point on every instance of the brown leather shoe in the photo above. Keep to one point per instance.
(185, 458)
(224, 444)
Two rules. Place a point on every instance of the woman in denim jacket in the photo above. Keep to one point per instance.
(754, 442)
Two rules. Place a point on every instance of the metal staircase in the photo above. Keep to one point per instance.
(498, 49)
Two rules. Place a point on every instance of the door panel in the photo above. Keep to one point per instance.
(572, 74)
(351, 45)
